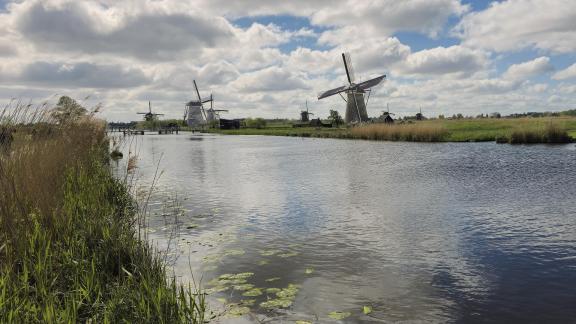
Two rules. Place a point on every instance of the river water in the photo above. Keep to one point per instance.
(367, 231)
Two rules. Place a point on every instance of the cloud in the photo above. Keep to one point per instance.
(528, 69)
(382, 18)
(270, 80)
(79, 75)
(79, 27)
(445, 60)
(568, 73)
(512, 25)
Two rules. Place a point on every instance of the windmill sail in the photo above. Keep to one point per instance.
(370, 83)
(332, 92)
(349, 68)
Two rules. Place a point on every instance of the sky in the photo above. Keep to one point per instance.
(263, 58)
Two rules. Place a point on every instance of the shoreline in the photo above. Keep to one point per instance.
(559, 130)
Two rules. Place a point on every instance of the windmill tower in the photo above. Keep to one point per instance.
(355, 103)
(149, 116)
(305, 114)
(196, 116)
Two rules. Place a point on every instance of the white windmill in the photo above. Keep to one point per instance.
(196, 116)
(355, 103)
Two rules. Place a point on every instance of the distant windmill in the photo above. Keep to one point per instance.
(149, 116)
(196, 115)
(305, 114)
(355, 103)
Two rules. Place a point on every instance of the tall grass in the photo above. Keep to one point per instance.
(551, 132)
(417, 132)
(68, 245)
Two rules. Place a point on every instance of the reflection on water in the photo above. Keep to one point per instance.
(419, 232)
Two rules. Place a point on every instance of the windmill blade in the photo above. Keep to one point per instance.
(221, 110)
(332, 92)
(200, 100)
(370, 83)
(349, 67)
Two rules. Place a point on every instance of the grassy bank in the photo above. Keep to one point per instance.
(69, 249)
(504, 130)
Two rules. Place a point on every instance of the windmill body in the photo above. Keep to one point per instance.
(195, 114)
(356, 102)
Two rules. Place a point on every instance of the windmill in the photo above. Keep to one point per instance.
(196, 115)
(387, 115)
(213, 114)
(149, 116)
(355, 104)
(305, 115)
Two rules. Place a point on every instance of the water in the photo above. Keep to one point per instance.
(471, 232)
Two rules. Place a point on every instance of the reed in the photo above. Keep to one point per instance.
(69, 250)
(417, 132)
(549, 132)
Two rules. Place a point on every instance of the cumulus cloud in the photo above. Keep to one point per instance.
(512, 25)
(78, 27)
(568, 73)
(78, 75)
(528, 69)
(270, 80)
(445, 60)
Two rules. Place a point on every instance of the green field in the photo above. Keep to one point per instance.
(457, 130)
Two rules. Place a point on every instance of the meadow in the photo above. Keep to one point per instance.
(70, 249)
(502, 130)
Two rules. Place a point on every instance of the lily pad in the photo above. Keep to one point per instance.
(339, 315)
(303, 322)
(367, 309)
(234, 252)
(288, 292)
(277, 303)
(238, 311)
(269, 252)
(253, 292)
(248, 302)
(273, 290)
(288, 254)
(309, 270)
(244, 287)
(263, 262)
(272, 279)
(216, 289)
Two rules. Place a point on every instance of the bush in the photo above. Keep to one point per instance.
(255, 123)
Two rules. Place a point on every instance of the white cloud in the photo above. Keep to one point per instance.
(512, 25)
(568, 73)
(77, 75)
(270, 80)
(456, 60)
(528, 69)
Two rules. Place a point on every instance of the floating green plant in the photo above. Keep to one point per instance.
(339, 315)
(272, 279)
(263, 262)
(237, 311)
(273, 290)
(309, 270)
(367, 309)
(269, 252)
(254, 292)
(277, 303)
(288, 292)
(234, 252)
(303, 322)
(288, 254)
(243, 287)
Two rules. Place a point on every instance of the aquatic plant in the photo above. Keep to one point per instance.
(417, 132)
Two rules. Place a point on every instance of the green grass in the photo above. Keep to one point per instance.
(69, 248)
(461, 130)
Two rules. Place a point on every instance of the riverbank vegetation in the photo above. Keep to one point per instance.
(503, 130)
(69, 249)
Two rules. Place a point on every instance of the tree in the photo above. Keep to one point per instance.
(335, 118)
(68, 110)
(255, 123)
